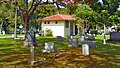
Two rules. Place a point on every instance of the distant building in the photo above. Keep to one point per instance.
(59, 24)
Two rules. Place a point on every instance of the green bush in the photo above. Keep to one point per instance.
(99, 33)
(48, 32)
(107, 33)
(78, 35)
(94, 32)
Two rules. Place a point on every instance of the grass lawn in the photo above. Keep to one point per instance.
(14, 55)
(10, 35)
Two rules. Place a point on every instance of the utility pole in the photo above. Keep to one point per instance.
(15, 35)
(104, 41)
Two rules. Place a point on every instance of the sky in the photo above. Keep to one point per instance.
(29, 0)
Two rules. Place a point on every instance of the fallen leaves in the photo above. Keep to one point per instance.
(98, 58)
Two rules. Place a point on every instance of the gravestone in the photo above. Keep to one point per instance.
(81, 38)
(12, 35)
(69, 38)
(59, 38)
(90, 43)
(85, 49)
(30, 38)
(91, 37)
(3, 32)
(114, 36)
(49, 47)
(73, 43)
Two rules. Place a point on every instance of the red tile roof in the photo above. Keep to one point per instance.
(58, 17)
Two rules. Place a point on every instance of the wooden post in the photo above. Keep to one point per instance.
(32, 53)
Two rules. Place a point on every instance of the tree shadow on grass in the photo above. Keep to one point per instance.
(110, 53)
(102, 57)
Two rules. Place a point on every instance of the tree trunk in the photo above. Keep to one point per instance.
(78, 30)
(26, 26)
(1, 27)
(15, 31)
(0, 30)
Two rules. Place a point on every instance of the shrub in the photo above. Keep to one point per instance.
(48, 32)
(99, 33)
(107, 33)
(76, 36)
(94, 32)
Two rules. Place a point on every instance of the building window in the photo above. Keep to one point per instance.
(56, 22)
(45, 22)
(66, 24)
(48, 22)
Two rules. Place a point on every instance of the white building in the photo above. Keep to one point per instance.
(59, 24)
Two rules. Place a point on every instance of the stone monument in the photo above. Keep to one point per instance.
(73, 43)
(49, 47)
(59, 38)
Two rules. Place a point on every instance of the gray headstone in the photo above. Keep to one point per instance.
(69, 38)
(74, 43)
(59, 38)
(90, 43)
(114, 36)
(91, 37)
(81, 38)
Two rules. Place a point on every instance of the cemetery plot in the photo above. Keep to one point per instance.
(17, 54)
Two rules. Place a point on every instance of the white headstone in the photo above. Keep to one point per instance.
(49, 47)
(3, 32)
(12, 35)
(71, 37)
(85, 49)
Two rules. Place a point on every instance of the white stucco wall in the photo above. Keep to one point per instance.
(57, 29)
